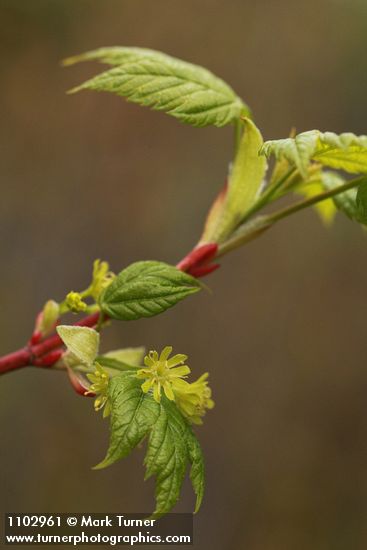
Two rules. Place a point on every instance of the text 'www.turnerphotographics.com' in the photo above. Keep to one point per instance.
(98, 529)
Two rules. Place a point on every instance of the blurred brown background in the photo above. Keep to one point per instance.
(283, 335)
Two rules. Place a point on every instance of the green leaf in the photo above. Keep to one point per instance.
(346, 151)
(133, 413)
(113, 366)
(132, 356)
(49, 317)
(345, 202)
(153, 79)
(319, 183)
(171, 446)
(121, 360)
(167, 456)
(197, 472)
(145, 289)
(82, 342)
(213, 217)
(297, 150)
(116, 55)
(361, 203)
(353, 202)
(244, 185)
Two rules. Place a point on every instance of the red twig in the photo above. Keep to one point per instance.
(49, 359)
(199, 256)
(31, 354)
(15, 360)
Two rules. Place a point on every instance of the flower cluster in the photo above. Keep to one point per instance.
(99, 386)
(193, 399)
(168, 374)
(75, 303)
(101, 278)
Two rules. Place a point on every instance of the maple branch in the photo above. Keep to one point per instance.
(46, 353)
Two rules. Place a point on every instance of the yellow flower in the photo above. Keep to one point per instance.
(102, 277)
(100, 380)
(75, 302)
(193, 399)
(162, 372)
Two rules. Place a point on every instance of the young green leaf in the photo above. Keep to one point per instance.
(114, 367)
(346, 151)
(197, 472)
(49, 317)
(214, 216)
(352, 202)
(319, 183)
(82, 342)
(133, 414)
(145, 289)
(297, 150)
(116, 55)
(244, 183)
(171, 447)
(344, 202)
(132, 356)
(121, 360)
(167, 456)
(361, 203)
(153, 79)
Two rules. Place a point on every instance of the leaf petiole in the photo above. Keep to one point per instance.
(272, 218)
(255, 227)
(268, 194)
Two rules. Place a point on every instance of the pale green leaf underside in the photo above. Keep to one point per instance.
(82, 342)
(153, 79)
(346, 151)
(120, 360)
(145, 289)
(171, 447)
(244, 183)
(132, 356)
(114, 367)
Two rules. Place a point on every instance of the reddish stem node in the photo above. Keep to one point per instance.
(199, 256)
(202, 270)
(49, 359)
